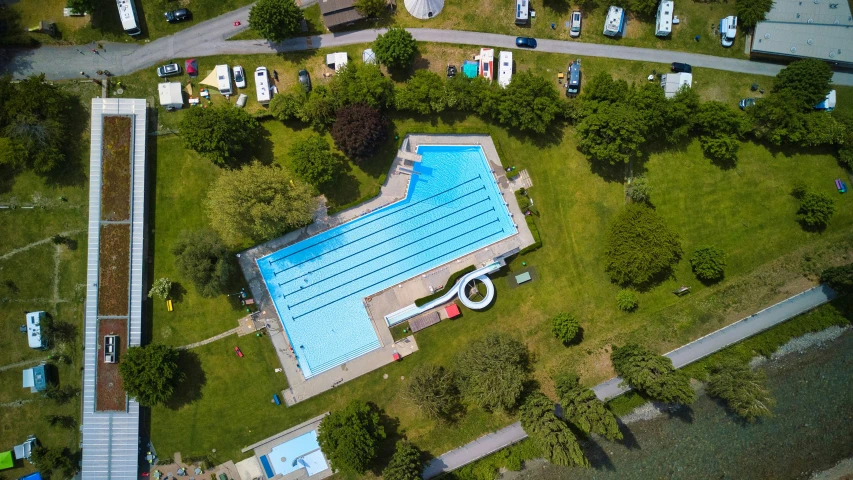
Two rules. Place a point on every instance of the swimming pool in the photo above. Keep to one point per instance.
(453, 207)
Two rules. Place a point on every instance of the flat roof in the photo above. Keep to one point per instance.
(110, 440)
(802, 28)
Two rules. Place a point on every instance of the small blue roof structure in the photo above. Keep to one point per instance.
(470, 68)
(32, 476)
(36, 378)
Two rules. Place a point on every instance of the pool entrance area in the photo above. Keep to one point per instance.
(293, 454)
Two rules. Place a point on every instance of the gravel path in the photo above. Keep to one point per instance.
(35, 244)
(25, 363)
(211, 339)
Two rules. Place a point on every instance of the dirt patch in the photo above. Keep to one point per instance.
(113, 284)
(109, 393)
(115, 168)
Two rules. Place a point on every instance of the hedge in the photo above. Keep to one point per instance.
(534, 230)
(447, 286)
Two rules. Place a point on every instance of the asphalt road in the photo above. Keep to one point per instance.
(682, 356)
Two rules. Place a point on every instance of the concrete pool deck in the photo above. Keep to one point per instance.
(391, 299)
(265, 447)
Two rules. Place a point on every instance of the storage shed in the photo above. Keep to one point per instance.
(170, 95)
(673, 82)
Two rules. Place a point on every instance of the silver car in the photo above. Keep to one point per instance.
(575, 30)
(169, 70)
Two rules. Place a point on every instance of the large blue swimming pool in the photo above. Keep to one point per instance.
(453, 207)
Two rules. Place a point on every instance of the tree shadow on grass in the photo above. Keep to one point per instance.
(597, 455)
(189, 389)
(629, 440)
(262, 148)
(393, 434)
(177, 292)
(344, 190)
(73, 171)
(576, 340)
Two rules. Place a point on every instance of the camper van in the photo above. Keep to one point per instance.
(504, 69)
(262, 85)
(223, 78)
(129, 20)
(36, 337)
(573, 81)
(522, 12)
(487, 63)
(663, 24)
(614, 25)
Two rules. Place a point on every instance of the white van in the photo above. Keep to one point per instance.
(262, 85)
(504, 69)
(129, 20)
(223, 76)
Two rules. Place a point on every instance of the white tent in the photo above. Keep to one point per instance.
(424, 9)
(170, 95)
(336, 60)
(368, 56)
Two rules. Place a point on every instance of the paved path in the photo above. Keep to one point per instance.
(211, 339)
(682, 356)
(210, 38)
(25, 363)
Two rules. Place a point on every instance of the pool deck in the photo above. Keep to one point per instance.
(391, 299)
(265, 446)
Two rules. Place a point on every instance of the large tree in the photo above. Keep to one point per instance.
(492, 371)
(319, 110)
(549, 433)
(816, 210)
(223, 134)
(362, 83)
(350, 437)
(742, 389)
(708, 262)
(203, 258)
(276, 20)
(614, 134)
(584, 410)
(405, 464)
(82, 6)
(433, 389)
(53, 462)
(807, 80)
(396, 48)
(371, 8)
(288, 105)
(719, 127)
(565, 327)
(423, 93)
(652, 374)
(312, 159)
(839, 278)
(640, 247)
(529, 102)
(150, 373)
(359, 131)
(259, 202)
(750, 12)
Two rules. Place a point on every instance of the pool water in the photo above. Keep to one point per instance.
(453, 207)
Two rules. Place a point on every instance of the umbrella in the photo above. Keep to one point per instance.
(191, 67)
(368, 56)
(424, 9)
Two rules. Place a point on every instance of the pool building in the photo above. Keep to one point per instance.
(446, 205)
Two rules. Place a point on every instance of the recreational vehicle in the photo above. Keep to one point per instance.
(728, 30)
(573, 83)
(614, 25)
(129, 20)
(36, 336)
(663, 24)
(223, 78)
(262, 85)
(522, 12)
(504, 69)
(487, 63)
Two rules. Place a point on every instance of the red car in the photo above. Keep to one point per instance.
(239, 353)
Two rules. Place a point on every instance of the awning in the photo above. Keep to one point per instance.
(211, 80)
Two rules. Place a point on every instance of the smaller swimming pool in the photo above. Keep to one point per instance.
(301, 452)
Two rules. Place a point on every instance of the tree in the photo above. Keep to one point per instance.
(160, 288)
(61, 394)
(529, 102)
(82, 6)
(709, 263)
(433, 389)
(396, 48)
(652, 374)
(816, 210)
(492, 371)
(313, 160)
(640, 247)
(639, 189)
(288, 106)
(614, 134)
(259, 202)
(679, 115)
(359, 131)
(645, 8)
(53, 462)
(149, 373)
(839, 279)
(565, 327)
(203, 258)
(423, 93)
(550, 434)
(584, 410)
(405, 464)
(719, 127)
(362, 83)
(806, 80)
(626, 300)
(371, 8)
(350, 437)
(742, 389)
(319, 109)
(276, 20)
(67, 422)
(750, 12)
(779, 119)
(223, 134)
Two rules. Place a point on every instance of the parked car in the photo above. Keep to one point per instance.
(525, 42)
(681, 67)
(178, 15)
(747, 102)
(305, 80)
(238, 351)
(169, 70)
(575, 30)
(451, 71)
(728, 30)
(239, 77)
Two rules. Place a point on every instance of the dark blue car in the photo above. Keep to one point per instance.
(525, 42)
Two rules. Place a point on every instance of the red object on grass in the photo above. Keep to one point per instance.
(397, 356)
(452, 311)
(239, 353)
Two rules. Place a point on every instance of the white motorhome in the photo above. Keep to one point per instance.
(663, 24)
(504, 69)
(223, 77)
(36, 337)
(129, 20)
(262, 85)
(522, 12)
(614, 25)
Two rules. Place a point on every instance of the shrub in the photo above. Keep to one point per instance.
(583, 409)
(492, 371)
(639, 190)
(433, 389)
(349, 438)
(839, 279)
(551, 434)
(640, 247)
(565, 327)
(652, 374)
(276, 20)
(396, 48)
(160, 288)
(288, 106)
(451, 281)
(742, 389)
(359, 131)
(709, 263)
(149, 374)
(223, 134)
(405, 464)
(313, 161)
(203, 258)
(816, 210)
(627, 300)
